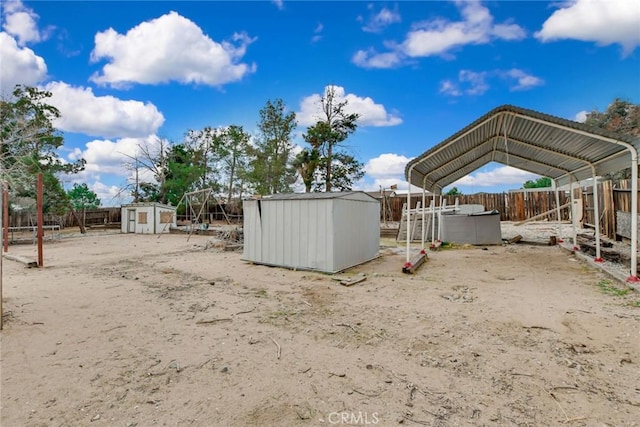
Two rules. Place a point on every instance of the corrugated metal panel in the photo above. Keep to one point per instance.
(357, 232)
(352, 195)
(324, 234)
(529, 140)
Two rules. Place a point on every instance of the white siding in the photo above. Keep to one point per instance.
(152, 225)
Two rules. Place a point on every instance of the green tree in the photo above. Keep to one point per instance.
(185, 169)
(232, 145)
(306, 164)
(82, 197)
(204, 145)
(29, 144)
(543, 182)
(328, 134)
(453, 192)
(345, 170)
(622, 117)
(270, 168)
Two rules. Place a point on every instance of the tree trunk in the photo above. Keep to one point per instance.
(328, 178)
(80, 223)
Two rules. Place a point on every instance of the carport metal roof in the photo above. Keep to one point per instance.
(563, 150)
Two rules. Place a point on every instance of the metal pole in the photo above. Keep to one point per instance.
(433, 217)
(634, 217)
(5, 213)
(408, 218)
(40, 194)
(559, 225)
(573, 218)
(596, 214)
(422, 227)
(440, 215)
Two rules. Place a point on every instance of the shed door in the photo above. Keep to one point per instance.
(131, 221)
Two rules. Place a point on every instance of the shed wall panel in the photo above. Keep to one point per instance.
(357, 232)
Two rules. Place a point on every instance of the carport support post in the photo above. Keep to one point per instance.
(634, 216)
(422, 228)
(440, 215)
(408, 261)
(596, 214)
(555, 190)
(433, 218)
(573, 218)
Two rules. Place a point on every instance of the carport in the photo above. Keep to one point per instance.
(567, 152)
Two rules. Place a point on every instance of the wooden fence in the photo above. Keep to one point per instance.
(513, 206)
(92, 217)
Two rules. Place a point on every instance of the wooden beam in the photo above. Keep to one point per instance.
(26, 261)
(353, 280)
(542, 215)
(415, 263)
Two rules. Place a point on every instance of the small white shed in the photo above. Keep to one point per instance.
(147, 218)
(327, 232)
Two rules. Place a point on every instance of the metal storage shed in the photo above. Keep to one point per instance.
(563, 150)
(147, 218)
(327, 232)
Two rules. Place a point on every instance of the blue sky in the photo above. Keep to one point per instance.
(127, 73)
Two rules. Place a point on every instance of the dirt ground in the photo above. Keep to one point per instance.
(136, 330)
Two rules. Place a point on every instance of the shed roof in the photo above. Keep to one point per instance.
(535, 142)
(317, 196)
(148, 204)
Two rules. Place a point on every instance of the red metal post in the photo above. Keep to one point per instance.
(40, 192)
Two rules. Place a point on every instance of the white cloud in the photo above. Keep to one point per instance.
(106, 116)
(387, 165)
(384, 171)
(21, 22)
(440, 36)
(475, 83)
(523, 80)
(450, 88)
(371, 114)
(469, 83)
(581, 116)
(603, 22)
(372, 59)
(379, 21)
(317, 33)
(502, 175)
(106, 157)
(109, 195)
(20, 65)
(169, 48)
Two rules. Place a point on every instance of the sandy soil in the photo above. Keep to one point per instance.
(132, 330)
